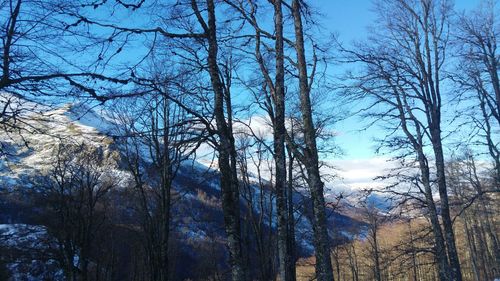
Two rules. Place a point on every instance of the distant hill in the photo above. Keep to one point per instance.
(198, 219)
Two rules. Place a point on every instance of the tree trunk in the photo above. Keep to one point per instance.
(456, 272)
(324, 271)
(472, 247)
(291, 217)
(279, 149)
(413, 253)
(376, 256)
(439, 246)
(225, 147)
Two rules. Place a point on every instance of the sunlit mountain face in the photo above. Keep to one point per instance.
(197, 226)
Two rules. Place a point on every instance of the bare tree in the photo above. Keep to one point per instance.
(196, 43)
(41, 62)
(404, 63)
(158, 135)
(309, 155)
(75, 192)
(273, 94)
(29, 30)
(475, 194)
(477, 72)
(374, 220)
(255, 154)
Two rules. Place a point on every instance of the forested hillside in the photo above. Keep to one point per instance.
(249, 140)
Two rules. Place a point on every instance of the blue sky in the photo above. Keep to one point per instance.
(349, 19)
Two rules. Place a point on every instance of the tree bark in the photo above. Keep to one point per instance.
(291, 217)
(456, 272)
(324, 271)
(284, 256)
(440, 246)
(225, 149)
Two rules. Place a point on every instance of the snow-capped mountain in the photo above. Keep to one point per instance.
(197, 212)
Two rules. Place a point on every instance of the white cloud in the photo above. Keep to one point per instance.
(349, 174)
(359, 173)
(259, 125)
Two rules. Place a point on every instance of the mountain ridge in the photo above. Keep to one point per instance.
(197, 212)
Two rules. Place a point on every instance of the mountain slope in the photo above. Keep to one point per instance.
(197, 212)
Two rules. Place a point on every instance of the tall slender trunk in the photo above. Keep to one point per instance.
(418, 144)
(413, 253)
(472, 247)
(376, 256)
(291, 216)
(166, 193)
(225, 149)
(430, 64)
(482, 248)
(439, 241)
(324, 271)
(353, 261)
(431, 70)
(456, 272)
(279, 149)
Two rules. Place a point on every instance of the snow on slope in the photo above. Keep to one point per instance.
(77, 123)
(72, 123)
(30, 245)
